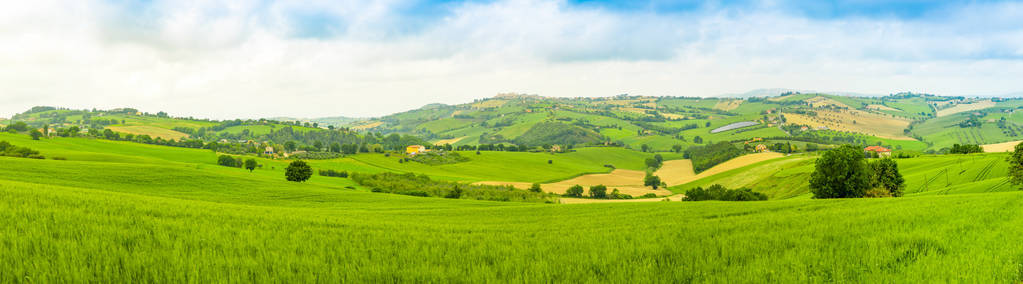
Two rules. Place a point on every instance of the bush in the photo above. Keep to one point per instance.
(649, 195)
(298, 171)
(618, 195)
(719, 192)
(228, 161)
(535, 188)
(6, 149)
(598, 191)
(333, 173)
(965, 149)
(574, 191)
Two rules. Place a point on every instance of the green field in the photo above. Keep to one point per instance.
(228, 224)
(925, 175)
(98, 210)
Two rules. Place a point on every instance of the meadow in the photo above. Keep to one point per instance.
(76, 234)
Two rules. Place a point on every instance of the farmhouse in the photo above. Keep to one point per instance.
(269, 151)
(415, 149)
(761, 148)
(877, 151)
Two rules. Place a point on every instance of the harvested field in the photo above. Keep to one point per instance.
(882, 107)
(489, 104)
(449, 141)
(965, 107)
(367, 126)
(676, 172)
(824, 101)
(673, 116)
(152, 131)
(727, 105)
(854, 121)
(1001, 147)
(736, 163)
(626, 181)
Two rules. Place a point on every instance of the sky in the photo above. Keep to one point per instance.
(260, 58)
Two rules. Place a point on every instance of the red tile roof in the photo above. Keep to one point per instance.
(877, 149)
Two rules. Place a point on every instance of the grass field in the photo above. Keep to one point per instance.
(73, 234)
(930, 174)
(152, 131)
(124, 212)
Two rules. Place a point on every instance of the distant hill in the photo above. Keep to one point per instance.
(905, 120)
(336, 121)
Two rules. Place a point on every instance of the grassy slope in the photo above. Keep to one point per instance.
(517, 166)
(156, 217)
(926, 175)
(73, 234)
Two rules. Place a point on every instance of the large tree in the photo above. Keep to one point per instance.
(652, 181)
(251, 164)
(840, 173)
(1016, 165)
(887, 176)
(298, 171)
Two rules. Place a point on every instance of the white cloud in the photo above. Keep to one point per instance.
(243, 59)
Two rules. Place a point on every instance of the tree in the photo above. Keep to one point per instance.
(840, 173)
(887, 176)
(1016, 165)
(652, 181)
(298, 171)
(644, 147)
(598, 191)
(35, 134)
(251, 164)
(535, 188)
(290, 146)
(574, 191)
(676, 148)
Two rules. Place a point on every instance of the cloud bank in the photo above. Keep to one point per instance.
(248, 59)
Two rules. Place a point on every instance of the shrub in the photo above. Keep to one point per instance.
(333, 173)
(598, 191)
(719, 192)
(228, 161)
(535, 188)
(649, 195)
(6, 149)
(574, 191)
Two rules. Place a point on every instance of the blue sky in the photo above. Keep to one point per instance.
(369, 58)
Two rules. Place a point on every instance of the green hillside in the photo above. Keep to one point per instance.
(103, 208)
(84, 221)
